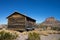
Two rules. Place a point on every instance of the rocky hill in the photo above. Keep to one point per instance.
(52, 22)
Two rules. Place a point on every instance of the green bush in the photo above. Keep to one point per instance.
(33, 36)
(7, 35)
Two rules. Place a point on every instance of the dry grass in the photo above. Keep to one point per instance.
(46, 32)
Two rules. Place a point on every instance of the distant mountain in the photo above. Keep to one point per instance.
(51, 22)
(3, 26)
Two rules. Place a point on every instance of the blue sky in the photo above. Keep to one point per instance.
(37, 9)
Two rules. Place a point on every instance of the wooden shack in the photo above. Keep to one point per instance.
(18, 21)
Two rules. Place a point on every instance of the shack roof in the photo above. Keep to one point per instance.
(22, 15)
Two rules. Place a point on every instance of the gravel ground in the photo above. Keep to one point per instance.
(49, 37)
(22, 37)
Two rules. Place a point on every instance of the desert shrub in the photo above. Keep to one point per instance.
(4, 35)
(56, 28)
(33, 36)
(59, 39)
